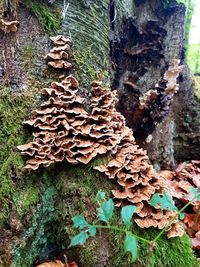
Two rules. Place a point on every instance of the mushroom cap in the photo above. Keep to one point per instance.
(9, 26)
(60, 40)
(60, 64)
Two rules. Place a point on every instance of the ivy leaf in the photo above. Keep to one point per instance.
(105, 211)
(130, 245)
(127, 213)
(79, 222)
(100, 196)
(181, 215)
(78, 239)
(92, 230)
(194, 193)
(165, 201)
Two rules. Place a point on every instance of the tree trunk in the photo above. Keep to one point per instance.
(143, 45)
(36, 207)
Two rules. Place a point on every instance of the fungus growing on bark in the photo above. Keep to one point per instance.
(57, 263)
(9, 26)
(65, 131)
(129, 166)
(146, 99)
(57, 57)
(53, 135)
(154, 105)
(185, 176)
(171, 76)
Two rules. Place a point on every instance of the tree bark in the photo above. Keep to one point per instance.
(148, 39)
(36, 207)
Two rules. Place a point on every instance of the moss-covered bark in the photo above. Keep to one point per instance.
(36, 207)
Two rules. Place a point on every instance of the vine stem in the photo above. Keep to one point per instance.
(122, 230)
(172, 220)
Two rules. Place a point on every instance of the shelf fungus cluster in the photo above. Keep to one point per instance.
(171, 76)
(51, 124)
(168, 86)
(64, 129)
(138, 182)
(60, 128)
(9, 26)
(58, 56)
(180, 181)
(154, 105)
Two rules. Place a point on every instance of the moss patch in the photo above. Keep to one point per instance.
(65, 191)
(39, 233)
(12, 112)
(168, 252)
(48, 18)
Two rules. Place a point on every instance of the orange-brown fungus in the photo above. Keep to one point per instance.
(53, 135)
(185, 176)
(129, 164)
(64, 131)
(9, 26)
(57, 57)
(147, 98)
(57, 263)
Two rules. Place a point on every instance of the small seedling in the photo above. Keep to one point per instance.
(104, 218)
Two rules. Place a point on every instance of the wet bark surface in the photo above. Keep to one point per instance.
(22, 53)
(149, 39)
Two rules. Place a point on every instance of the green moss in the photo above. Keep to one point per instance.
(39, 233)
(62, 195)
(48, 18)
(12, 112)
(27, 53)
(168, 252)
(79, 187)
(24, 199)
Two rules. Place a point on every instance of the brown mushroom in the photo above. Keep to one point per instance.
(9, 26)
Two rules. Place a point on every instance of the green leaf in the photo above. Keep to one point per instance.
(194, 193)
(100, 196)
(126, 214)
(105, 211)
(92, 230)
(79, 222)
(165, 201)
(130, 245)
(78, 239)
(181, 215)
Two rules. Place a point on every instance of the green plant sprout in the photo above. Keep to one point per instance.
(105, 213)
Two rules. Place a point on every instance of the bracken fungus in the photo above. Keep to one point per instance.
(136, 178)
(64, 130)
(9, 26)
(57, 57)
(185, 176)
